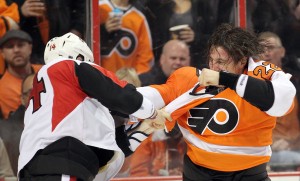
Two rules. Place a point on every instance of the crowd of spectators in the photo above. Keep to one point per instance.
(135, 38)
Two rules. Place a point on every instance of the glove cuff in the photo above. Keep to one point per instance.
(228, 79)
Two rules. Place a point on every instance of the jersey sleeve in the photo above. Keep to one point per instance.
(284, 93)
(113, 93)
(179, 82)
(274, 96)
(265, 86)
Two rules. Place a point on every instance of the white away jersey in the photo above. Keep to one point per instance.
(67, 101)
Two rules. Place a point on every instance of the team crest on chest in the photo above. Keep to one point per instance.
(217, 115)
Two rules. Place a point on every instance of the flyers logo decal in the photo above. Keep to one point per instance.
(124, 44)
(220, 116)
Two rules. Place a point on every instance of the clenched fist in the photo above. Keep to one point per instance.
(148, 126)
(209, 77)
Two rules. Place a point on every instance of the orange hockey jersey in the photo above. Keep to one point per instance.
(134, 48)
(223, 131)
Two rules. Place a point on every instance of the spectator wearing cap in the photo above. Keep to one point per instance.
(16, 48)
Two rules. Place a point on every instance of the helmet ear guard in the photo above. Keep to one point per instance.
(68, 46)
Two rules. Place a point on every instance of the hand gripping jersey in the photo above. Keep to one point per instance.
(134, 46)
(222, 129)
(73, 98)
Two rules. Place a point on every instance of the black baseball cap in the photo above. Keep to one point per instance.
(18, 34)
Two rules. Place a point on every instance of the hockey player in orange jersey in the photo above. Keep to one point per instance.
(226, 113)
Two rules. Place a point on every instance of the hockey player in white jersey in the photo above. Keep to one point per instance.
(69, 133)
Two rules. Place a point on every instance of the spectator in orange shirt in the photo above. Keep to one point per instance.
(16, 48)
(125, 37)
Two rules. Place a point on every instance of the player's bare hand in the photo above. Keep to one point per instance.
(148, 126)
(209, 77)
(159, 121)
(162, 115)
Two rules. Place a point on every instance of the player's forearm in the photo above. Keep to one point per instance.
(275, 96)
(124, 99)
